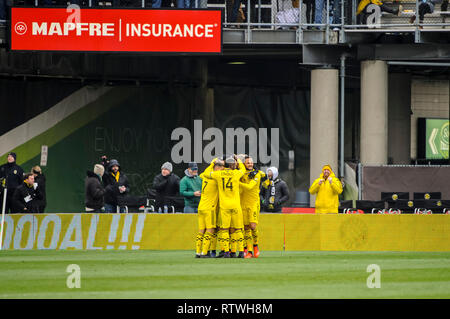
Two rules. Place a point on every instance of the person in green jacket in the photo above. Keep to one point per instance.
(190, 188)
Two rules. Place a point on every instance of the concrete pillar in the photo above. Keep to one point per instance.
(204, 103)
(324, 122)
(399, 118)
(203, 108)
(374, 115)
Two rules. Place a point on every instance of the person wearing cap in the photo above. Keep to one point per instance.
(11, 177)
(94, 190)
(116, 188)
(190, 188)
(166, 185)
(327, 189)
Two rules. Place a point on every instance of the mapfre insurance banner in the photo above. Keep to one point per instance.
(116, 30)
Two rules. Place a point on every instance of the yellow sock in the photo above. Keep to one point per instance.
(213, 242)
(255, 236)
(233, 241)
(224, 240)
(198, 243)
(248, 239)
(206, 242)
(239, 237)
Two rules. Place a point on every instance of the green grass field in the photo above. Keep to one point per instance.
(176, 274)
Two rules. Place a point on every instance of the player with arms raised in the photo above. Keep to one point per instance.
(230, 220)
(207, 209)
(250, 203)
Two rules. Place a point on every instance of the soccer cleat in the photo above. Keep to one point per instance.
(226, 255)
(212, 253)
(249, 255)
(205, 256)
(197, 256)
(232, 255)
(241, 254)
(221, 254)
(256, 251)
(245, 251)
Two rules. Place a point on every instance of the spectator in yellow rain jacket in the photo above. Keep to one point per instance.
(327, 187)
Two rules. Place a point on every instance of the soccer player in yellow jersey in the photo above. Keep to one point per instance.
(207, 209)
(250, 203)
(230, 220)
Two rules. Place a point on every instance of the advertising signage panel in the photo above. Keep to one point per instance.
(116, 30)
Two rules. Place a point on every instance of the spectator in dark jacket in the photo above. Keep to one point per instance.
(94, 190)
(166, 185)
(11, 176)
(116, 188)
(428, 7)
(274, 192)
(25, 196)
(39, 179)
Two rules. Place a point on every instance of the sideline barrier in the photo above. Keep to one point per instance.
(334, 232)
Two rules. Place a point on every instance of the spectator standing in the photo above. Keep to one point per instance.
(184, 3)
(166, 185)
(94, 190)
(166, 3)
(3, 9)
(320, 5)
(250, 11)
(11, 176)
(364, 5)
(199, 3)
(190, 188)
(327, 187)
(40, 180)
(116, 188)
(336, 12)
(310, 9)
(274, 192)
(25, 196)
(427, 6)
(161, 3)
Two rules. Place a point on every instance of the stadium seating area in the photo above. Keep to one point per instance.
(398, 203)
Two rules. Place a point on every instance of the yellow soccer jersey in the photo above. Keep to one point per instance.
(250, 189)
(210, 193)
(228, 186)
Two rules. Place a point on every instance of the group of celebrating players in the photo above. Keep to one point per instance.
(229, 207)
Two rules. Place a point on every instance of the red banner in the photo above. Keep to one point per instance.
(117, 30)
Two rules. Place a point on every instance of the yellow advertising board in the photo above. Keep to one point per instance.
(334, 232)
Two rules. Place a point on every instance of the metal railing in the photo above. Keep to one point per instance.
(339, 16)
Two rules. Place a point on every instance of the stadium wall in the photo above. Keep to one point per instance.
(134, 124)
(291, 232)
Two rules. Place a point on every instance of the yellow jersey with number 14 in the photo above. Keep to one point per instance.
(228, 186)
